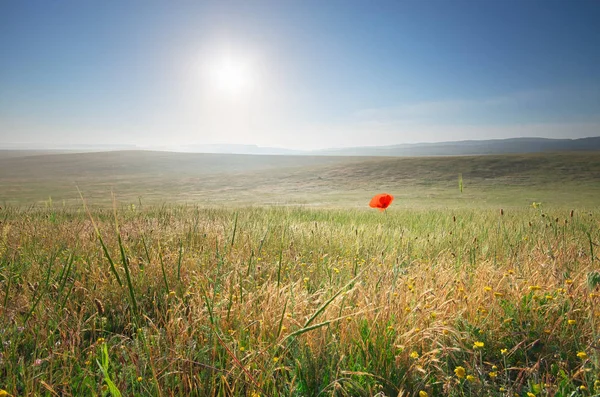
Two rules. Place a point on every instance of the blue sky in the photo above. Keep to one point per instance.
(297, 74)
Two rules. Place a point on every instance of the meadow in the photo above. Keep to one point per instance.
(268, 276)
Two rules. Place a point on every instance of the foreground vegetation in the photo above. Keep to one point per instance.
(180, 300)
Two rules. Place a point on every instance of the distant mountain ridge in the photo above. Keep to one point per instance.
(472, 147)
(451, 148)
(239, 149)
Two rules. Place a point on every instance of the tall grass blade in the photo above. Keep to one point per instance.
(589, 236)
(280, 259)
(281, 319)
(324, 305)
(112, 388)
(234, 229)
(179, 260)
(42, 289)
(162, 267)
(125, 262)
(306, 329)
(110, 261)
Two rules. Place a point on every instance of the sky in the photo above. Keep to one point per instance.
(296, 74)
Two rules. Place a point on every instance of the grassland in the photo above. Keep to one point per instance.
(444, 294)
(214, 180)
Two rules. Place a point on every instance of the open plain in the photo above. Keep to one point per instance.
(152, 273)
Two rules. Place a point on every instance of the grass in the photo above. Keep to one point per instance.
(153, 178)
(445, 297)
(292, 301)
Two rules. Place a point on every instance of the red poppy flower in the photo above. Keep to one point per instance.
(381, 201)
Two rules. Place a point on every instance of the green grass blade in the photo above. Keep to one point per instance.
(108, 257)
(234, 229)
(324, 305)
(162, 266)
(281, 318)
(306, 329)
(125, 261)
(179, 260)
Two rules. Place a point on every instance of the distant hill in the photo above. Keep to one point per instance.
(570, 178)
(490, 146)
(455, 148)
(238, 149)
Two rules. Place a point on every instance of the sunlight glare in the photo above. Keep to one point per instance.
(230, 76)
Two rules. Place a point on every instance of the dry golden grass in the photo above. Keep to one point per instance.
(299, 302)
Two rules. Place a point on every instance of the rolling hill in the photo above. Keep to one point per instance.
(230, 179)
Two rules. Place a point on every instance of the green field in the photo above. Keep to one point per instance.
(562, 179)
(216, 275)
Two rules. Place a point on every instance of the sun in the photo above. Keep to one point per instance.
(231, 76)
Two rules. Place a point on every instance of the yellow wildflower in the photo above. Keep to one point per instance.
(530, 394)
(275, 359)
(571, 321)
(493, 374)
(471, 378)
(582, 355)
(460, 372)
(487, 288)
(534, 287)
(478, 345)
(139, 379)
(414, 355)
(503, 351)
(423, 394)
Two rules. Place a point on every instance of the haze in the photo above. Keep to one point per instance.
(302, 75)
